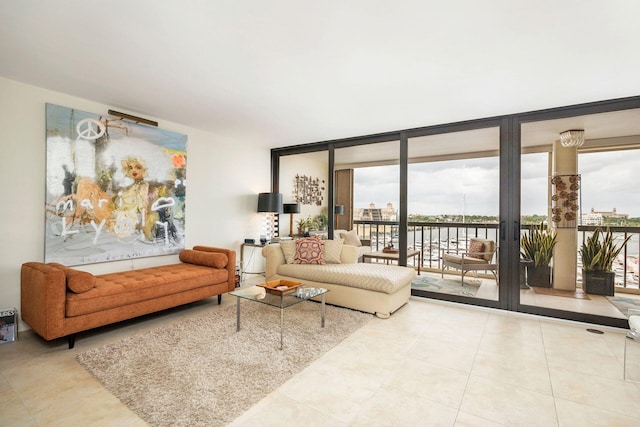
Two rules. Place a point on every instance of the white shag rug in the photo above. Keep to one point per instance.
(201, 372)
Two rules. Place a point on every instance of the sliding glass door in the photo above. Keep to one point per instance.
(571, 189)
(453, 206)
(367, 192)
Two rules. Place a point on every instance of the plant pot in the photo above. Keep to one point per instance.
(539, 276)
(598, 282)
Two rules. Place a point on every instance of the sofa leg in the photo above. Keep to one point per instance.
(72, 341)
(219, 299)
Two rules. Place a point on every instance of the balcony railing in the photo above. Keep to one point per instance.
(431, 238)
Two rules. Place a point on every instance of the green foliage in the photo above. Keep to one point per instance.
(599, 251)
(304, 223)
(532, 219)
(538, 245)
(322, 221)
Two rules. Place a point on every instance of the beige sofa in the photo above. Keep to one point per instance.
(373, 288)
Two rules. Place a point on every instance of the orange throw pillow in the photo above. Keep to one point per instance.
(79, 281)
(206, 259)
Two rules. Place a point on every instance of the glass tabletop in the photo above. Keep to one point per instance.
(302, 293)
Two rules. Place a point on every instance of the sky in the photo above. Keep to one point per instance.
(609, 180)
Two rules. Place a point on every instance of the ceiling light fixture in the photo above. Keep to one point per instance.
(572, 138)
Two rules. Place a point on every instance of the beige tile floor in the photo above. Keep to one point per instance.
(431, 363)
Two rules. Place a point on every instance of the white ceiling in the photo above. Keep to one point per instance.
(278, 73)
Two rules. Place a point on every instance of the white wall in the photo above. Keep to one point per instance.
(314, 165)
(221, 194)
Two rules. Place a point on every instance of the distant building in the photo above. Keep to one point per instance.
(597, 217)
(376, 214)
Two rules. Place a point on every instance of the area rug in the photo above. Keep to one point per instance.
(577, 294)
(201, 372)
(623, 304)
(447, 286)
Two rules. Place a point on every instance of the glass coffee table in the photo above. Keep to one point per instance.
(279, 301)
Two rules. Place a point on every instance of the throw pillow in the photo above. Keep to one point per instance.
(288, 250)
(332, 251)
(79, 281)
(309, 251)
(351, 238)
(476, 248)
(206, 259)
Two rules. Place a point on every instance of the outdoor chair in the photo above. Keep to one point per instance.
(479, 256)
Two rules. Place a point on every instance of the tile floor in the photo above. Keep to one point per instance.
(431, 363)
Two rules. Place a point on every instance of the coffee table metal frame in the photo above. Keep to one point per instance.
(392, 256)
(280, 301)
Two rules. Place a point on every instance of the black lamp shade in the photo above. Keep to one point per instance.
(270, 202)
(291, 208)
(338, 210)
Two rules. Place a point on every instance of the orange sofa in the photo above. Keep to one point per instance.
(57, 301)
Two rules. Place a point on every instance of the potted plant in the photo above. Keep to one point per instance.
(322, 221)
(598, 253)
(537, 247)
(304, 225)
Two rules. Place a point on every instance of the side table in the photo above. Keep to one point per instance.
(253, 247)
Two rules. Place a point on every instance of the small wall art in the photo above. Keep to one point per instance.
(565, 201)
(308, 190)
(114, 189)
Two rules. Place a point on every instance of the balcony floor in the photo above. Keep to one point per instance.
(596, 304)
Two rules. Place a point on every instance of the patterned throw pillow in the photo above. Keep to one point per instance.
(309, 251)
(476, 248)
(332, 251)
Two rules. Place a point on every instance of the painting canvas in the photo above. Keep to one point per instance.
(115, 189)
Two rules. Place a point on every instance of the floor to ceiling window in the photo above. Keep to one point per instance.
(371, 174)
(453, 207)
(433, 189)
(571, 190)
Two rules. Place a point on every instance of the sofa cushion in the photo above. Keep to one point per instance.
(351, 238)
(115, 290)
(375, 277)
(309, 251)
(288, 250)
(206, 259)
(459, 259)
(332, 251)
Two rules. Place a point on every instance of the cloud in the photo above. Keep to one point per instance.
(609, 180)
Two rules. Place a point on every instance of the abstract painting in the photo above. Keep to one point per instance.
(115, 190)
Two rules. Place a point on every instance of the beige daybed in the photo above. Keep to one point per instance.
(372, 288)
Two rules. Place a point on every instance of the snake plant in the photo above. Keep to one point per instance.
(599, 251)
(538, 245)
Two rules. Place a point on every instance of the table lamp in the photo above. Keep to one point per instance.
(291, 208)
(270, 203)
(338, 210)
